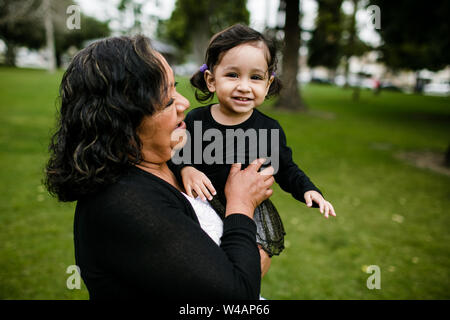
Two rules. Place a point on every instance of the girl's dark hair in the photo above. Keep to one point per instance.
(105, 93)
(222, 42)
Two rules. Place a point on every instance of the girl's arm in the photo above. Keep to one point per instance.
(292, 179)
(289, 176)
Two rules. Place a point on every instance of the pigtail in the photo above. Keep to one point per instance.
(275, 87)
(202, 93)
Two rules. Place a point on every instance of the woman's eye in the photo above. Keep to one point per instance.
(171, 101)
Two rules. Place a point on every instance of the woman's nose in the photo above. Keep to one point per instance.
(182, 103)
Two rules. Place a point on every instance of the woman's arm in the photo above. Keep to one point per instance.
(155, 246)
(165, 253)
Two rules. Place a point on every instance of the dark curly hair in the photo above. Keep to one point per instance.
(105, 93)
(222, 42)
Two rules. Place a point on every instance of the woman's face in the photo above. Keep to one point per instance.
(163, 132)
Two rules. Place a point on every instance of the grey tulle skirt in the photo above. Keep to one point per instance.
(269, 227)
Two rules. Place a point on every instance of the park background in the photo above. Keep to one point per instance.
(366, 110)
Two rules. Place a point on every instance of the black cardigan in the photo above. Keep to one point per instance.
(140, 238)
(289, 176)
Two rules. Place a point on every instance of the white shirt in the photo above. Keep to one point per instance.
(209, 220)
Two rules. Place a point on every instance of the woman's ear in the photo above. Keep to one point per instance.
(210, 81)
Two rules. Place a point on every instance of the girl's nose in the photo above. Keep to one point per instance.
(243, 86)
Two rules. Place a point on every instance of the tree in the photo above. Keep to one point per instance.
(414, 37)
(20, 25)
(193, 22)
(90, 29)
(290, 96)
(325, 45)
(42, 23)
(352, 45)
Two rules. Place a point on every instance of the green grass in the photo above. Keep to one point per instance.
(390, 213)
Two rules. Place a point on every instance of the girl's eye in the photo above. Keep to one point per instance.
(232, 75)
(257, 77)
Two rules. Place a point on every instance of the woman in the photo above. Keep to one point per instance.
(135, 234)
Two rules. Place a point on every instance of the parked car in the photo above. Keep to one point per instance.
(437, 89)
(320, 80)
(390, 87)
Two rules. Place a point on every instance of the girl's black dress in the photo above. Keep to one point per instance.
(258, 137)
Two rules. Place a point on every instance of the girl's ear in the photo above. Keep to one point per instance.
(268, 84)
(210, 81)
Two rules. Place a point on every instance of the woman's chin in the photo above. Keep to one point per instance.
(178, 140)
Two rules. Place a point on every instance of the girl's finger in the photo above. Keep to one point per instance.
(210, 186)
(188, 190)
(327, 210)
(308, 200)
(333, 213)
(321, 204)
(205, 191)
(199, 192)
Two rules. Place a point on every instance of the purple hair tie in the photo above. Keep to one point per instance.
(273, 74)
(203, 68)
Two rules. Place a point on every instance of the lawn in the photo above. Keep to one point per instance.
(390, 213)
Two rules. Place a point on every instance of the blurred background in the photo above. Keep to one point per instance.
(365, 107)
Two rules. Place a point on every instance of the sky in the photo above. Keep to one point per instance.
(261, 12)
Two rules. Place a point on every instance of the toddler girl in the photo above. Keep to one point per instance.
(240, 65)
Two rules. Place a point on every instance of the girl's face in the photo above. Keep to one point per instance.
(241, 79)
(164, 131)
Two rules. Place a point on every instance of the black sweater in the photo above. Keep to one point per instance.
(140, 238)
(288, 176)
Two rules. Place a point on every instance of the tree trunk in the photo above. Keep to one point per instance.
(418, 88)
(10, 55)
(50, 35)
(350, 50)
(200, 40)
(447, 157)
(290, 96)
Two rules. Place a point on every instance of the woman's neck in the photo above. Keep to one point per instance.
(221, 116)
(160, 170)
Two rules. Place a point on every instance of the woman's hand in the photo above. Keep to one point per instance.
(196, 183)
(265, 261)
(246, 189)
(325, 207)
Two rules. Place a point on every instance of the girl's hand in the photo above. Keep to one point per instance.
(324, 206)
(196, 183)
